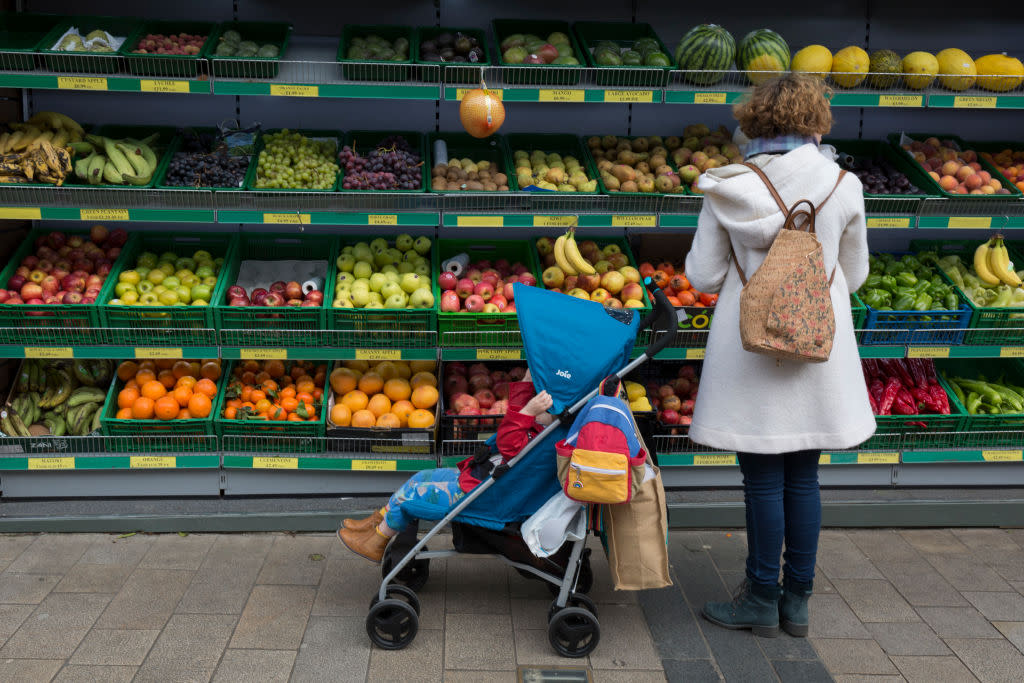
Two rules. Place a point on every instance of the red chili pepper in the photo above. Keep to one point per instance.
(872, 367)
(917, 370)
(904, 403)
(940, 398)
(892, 387)
(900, 367)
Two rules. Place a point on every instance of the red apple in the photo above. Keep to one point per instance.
(93, 281)
(478, 369)
(473, 274)
(34, 301)
(589, 282)
(72, 283)
(500, 301)
(490, 275)
(463, 402)
(56, 240)
(31, 290)
(4, 296)
(118, 237)
(22, 271)
(484, 289)
(113, 253)
(50, 285)
(93, 292)
(75, 241)
(528, 279)
(83, 264)
(81, 273)
(475, 303)
(72, 298)
(511, 308)
(316, 296)
(507, 291)
(686, 408)
(30, 261)
(44, 265)
(447, 281)
(274, 299)
(278, 286)
(238, 301)
(293, 290)
(669, 417)
(480, 381)
(457, 368)
(15, 282)
(450, 302)
(236, 292)
(310, 304)
(59, 273)
(465, 288)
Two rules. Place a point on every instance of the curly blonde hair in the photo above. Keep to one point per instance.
(794, 104)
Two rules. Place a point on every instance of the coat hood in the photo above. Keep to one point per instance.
(744, 206)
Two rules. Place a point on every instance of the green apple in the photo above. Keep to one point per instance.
(390, 289)
(389, 269)
(116, 302)
(343, 303)
(378, 280)
(361, 283)
(362, 252)
(145, 286)
(378, 244)
(123, 287)
(411, 256)
(393, 276)
(202, 255)
(149, 299)
(422, 298)
(168, 297)
(347, 278)
(148, 260)
(422, 245)
(210, 280)
(348, 250)
(219, 261)
(130, 298)
(200, 302)
(184, 293)
(156, 276)
(132, 277)
(169, 256)
(159, 289)
(399, 300)
(422, 269)
(200, 293)
(403, 242)
(382, 257)
(185, 263)
(405, 267)
(362, 269)
(376, 297)
(360, 297)
(343, 289)
(171, 282)
(143, 272)
(411, 282)
(204, 271)
(374, 304)
(346, 262)
(167, 267)
(396, 255)
(182, 273)
(190, 280)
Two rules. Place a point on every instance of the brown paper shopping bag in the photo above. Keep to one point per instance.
(636, 535)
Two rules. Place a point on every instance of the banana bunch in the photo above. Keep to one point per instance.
(59, 398)
(992, 263)
(568, 256)
(115, 162)
(38, 150)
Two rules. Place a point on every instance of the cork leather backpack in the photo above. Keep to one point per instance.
(785, 307)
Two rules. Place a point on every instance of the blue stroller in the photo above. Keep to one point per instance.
(571, 345)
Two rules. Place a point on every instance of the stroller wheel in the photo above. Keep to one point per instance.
(574, 632)
(586, 577)
(392, 624)
(396, 591)
(574, 600)
(414, 575)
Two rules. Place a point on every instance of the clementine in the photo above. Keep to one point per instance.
(363, 419)
(371, 383)
(143, 408)
(389, 421)
(421, 419)
(341, 416)
(166, 408)
(397, 389)
(356, 401)
(424, 397)
(379, 404)
(199, 405)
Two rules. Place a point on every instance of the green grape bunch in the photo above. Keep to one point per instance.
(290, 160)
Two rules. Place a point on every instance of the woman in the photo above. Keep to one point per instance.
(778, 415)
(526, 418)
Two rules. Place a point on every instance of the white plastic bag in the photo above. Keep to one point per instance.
(557, 520)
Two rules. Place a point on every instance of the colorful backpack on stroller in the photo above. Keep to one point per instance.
(603, 459)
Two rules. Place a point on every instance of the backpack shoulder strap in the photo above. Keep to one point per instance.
(768, 184)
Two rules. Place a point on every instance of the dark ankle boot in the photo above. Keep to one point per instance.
(754, 606)
(793, 607)
(363, 524)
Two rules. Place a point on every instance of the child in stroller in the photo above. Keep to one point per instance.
(526, 417)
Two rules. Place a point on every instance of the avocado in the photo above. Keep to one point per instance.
(632, 58)
(606, 58)
(657, 59)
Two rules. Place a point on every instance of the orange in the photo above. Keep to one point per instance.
(341, 416)
(183, 414)
(132, 384)
(423, 378)
(127, 397)
(269, 386)
(143, 408)
(246, 393)
(389, 420)
(144, 375)
(153, 390)
(371, 383)
(182, 395)
(166, 408)
(424, 397)
(187, 381)
(344, 380)
(127, 370)
(193, 368)
(257, 395)
(422, 366)
(205, 386)
(210, 371)
(263, 405)
(124, 414)
(402, 409)
(290, 403)
(387, 370)
(355, 400)
(166, 377)
(397, 389)
(304, 397)
(363, 419)
(277, 414)
(248, 377)
(294, 417)
(287, 392)
(305, 385)
(261, 377)
(421, 419)
(147, 365)
(274, 368)
(379, 405)
(360, 366)
(164, 363)
(199, 405)
(230, 413)
(251, 366)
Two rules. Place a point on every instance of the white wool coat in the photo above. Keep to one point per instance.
(750, 402)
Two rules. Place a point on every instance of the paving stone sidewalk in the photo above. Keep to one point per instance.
(921, 605)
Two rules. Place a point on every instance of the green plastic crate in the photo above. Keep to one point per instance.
(538, 74)
(464, 145)
(79, 62)
(631, 195)
(261, 326)
(159, 147)
(278, 436)
(261, 32)
(482, 329)
(20, 36)
(26, 325)
(404, 328)
(1015, 194)
(551, 143)
(859, 311)
(625, 34)
(375, 70)
(455, 72)
(875, 148)
(366, 140)
(998, 430)
(159, 181)
(250, 177)
(171, 66)
(172, 325)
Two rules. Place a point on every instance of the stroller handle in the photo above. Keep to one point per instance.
(662, 320)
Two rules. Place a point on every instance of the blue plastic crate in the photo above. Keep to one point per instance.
(916, 327)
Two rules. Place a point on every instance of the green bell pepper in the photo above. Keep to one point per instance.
(874, 281)
(889, 283)
(904, 302)
(877, 298)
(906, 279)
(923, 302)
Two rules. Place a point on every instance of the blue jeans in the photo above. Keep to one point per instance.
(437, 487)
(783, 502)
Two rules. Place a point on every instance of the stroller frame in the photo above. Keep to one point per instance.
(573, 629)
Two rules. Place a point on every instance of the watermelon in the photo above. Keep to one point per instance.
(762, 50)
(707, 49)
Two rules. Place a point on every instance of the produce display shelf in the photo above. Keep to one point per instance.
(326, 353)
(372, 463)
(110, 462)
(112, 83)
(303, 217)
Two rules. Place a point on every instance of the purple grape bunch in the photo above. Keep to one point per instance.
(391, 165)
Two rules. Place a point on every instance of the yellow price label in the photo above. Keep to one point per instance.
(401, 449)
(714, 459)
(498, 354)
(374, 465)
(141, 352)
(49, 352)
(560, 96)
(888, 222)
(970, 221)
(271, 463)
(1002, 456)
(153, 462)
(51, 463)
(378, 354)
(295, 90)
(695, 354)
(147, 85)
(555, 221)
(887, 458)
(628, 95)
(928, 352)
(382, 219)
(480, 221)
(263, 354)
(634, 221)
(825, 459)
(104, 215)
(461, 93)
(900, 100)
(287, 218)
(1011, 352)
(20, 214)
(709, 98)
(81, 83)
(974, 102)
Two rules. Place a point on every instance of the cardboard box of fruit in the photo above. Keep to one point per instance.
(611, 46)
(461, 51)
(527, 43)
(168, 48)
(462, 163)
(383, 407)
(392, 46)
(954, 169)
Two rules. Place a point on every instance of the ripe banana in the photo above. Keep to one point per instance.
(981, 260)
(560, 258)
(573, 255)
(1000, 265)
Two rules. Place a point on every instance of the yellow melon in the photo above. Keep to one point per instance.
(815, 60)
(956, 69)
(999, 73)
(850, 66)
(919, 69)
(763, 68)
